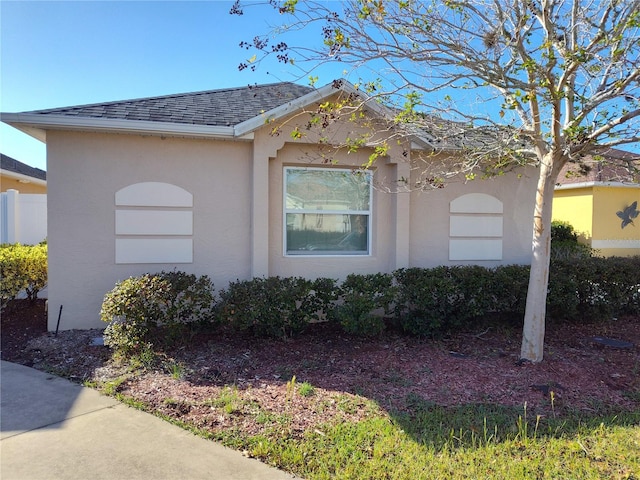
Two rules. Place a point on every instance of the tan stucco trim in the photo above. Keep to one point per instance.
(402, 207)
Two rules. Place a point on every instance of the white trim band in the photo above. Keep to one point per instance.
(628, 244)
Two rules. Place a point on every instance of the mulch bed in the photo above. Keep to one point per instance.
(479, 367)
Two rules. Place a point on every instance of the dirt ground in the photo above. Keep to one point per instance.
(393, 370)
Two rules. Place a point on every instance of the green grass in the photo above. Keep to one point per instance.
(428, 441)
(461, 443)
(305, 389)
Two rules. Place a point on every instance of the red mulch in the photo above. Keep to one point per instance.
(473, 367)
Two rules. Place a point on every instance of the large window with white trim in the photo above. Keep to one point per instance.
(327, 211)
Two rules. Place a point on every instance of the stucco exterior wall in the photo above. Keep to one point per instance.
(592, 210)
(237, 213)
(85, 170)
(430, 218)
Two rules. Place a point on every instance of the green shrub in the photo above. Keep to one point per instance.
(275, 307)
(22, 268)
(443, 298)
(594, 288)
(565, 244)
(510, 285)
(138, 307)
(423, 304)
(364, 298)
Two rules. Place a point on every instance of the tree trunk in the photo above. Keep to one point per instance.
(534, 317)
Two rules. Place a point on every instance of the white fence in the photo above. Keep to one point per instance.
(23, 217)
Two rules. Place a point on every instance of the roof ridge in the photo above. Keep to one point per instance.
(160, 97)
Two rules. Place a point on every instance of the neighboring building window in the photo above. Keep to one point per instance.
(327, 211)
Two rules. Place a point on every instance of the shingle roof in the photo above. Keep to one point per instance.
(224, 107)
(12, 165)
(611, 165)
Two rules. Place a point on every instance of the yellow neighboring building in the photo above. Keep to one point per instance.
(15, 175)
(602, 202)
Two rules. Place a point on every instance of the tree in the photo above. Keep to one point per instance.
(561, 77)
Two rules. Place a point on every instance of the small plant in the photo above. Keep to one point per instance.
(176, 370)
(229, 401)
(291, 388)
(305, 389)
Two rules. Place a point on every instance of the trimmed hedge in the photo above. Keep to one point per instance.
(433, 300)
(275, 307)
(22, 268)
(364, 298)
(593, 288)
(424, 301)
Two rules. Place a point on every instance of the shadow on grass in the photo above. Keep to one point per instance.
(477, 425)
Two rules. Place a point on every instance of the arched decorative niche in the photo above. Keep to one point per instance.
(475, 228)
(153, 224)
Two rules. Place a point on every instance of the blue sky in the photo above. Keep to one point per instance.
(56, 54)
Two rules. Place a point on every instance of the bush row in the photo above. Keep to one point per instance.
(422, 301)
(23, 268)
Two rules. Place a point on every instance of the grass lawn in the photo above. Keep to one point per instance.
(469, 441)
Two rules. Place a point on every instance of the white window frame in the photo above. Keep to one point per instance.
(329, 254)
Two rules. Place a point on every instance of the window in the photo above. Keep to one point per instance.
(327, 211)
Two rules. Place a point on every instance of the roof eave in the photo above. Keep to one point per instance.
(36, 125)
(571, 186)
(22, 178)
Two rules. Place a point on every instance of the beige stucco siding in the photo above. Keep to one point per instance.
(236, 215)
(86, 170)
(430, 218)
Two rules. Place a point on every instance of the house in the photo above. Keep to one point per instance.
(600, 200)
(15, 175)
(23, 202)
(222, 183)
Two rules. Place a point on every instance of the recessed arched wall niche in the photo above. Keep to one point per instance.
(475, 228)
(154, 224)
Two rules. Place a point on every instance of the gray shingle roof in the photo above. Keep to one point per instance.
(12, 165)
(224, 107)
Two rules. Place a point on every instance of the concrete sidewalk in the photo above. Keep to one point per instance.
(54, 429)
